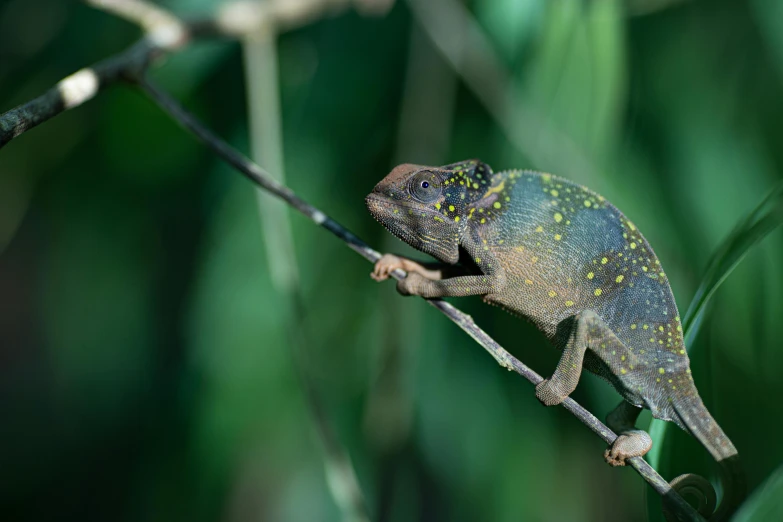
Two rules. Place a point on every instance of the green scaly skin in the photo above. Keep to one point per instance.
(566, 259)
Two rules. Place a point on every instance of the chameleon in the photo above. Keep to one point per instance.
(562, 257)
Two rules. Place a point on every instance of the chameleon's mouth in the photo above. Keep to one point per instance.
(404, 220)
(391, 214)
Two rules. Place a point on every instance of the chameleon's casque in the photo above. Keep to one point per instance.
(566, 259)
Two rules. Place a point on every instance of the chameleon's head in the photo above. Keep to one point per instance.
(427, 206)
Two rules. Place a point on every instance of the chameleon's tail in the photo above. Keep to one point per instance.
(694, 417)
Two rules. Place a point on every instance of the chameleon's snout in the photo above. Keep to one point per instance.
(377, 205)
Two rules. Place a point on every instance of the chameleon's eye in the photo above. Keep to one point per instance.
(425, 186)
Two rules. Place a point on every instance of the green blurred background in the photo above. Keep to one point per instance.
(150, 367)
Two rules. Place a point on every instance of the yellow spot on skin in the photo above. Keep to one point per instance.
(475, 185)
(679, 328)
(437, 205)
(619, 279)
(630, 225)
(483, 220)
(633, 326)
(558, 237)
(554, 192)
(661, 371)
(604, 260)
(652, 340)
(622, 370)
(645, 327)
(496, 189)
(644, 268)
(597, 292)
(533, 259)
(552, 293)
(496, 204)
(660, 328)
(456, 219)
(569, 303)
(590, 275)
(451, 208)
(633, 245)
(588, 203)
(622, 358)
(682, 352)
(558, 217)
(539, 228)
(438, 219)
(528, 282)
(478, 260)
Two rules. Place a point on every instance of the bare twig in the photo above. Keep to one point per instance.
(164, 33)
(75, 90)
(261, 178)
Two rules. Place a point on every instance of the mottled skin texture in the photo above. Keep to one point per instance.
(566, 259)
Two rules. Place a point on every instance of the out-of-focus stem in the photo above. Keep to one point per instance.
(266, 144)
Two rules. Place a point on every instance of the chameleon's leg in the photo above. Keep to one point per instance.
(630, 442)
(452, 281)
(587, 331)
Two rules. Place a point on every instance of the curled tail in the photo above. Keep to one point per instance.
(693, 417)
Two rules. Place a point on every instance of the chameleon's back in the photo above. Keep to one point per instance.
(575, 251)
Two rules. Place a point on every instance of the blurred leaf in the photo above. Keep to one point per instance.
(762, 220)
(769, 16)
(766, 503)
(765, 218)
(511, 23)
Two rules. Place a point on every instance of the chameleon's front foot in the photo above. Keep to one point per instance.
(634, 443)
(414, 284)
(387, 264)
(549, 394)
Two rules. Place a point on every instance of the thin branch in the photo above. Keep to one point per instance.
(261, 178)
(164, 33)
(75, 90)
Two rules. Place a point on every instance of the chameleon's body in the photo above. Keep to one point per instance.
(566, 259)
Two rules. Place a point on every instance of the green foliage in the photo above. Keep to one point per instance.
(752, 229)
(766, 503)
(145, 365)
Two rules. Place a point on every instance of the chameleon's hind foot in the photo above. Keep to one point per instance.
(634, 443)
(549, 394)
